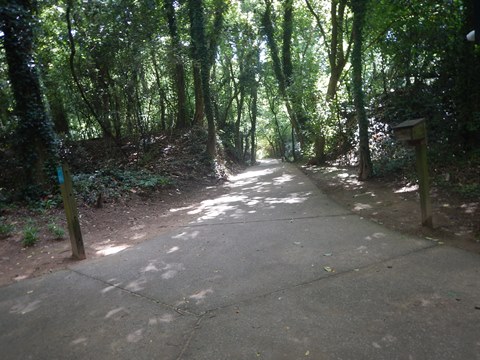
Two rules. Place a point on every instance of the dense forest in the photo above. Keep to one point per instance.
(309, 80)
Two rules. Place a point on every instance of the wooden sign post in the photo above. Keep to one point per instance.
(414, 133)
(70, 205)
(424, 182)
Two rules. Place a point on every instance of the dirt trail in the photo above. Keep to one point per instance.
(397, 206)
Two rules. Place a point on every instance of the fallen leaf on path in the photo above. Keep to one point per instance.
(327, 254)
(328, 269)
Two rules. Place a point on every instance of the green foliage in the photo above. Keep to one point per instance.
(45, 203)
(403, 166)
(6, 229)
(51, 202)
(56, 231)
(391, 158)
(30, 234)
(115, 183)
(469, 190)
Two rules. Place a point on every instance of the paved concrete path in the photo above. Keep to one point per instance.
(272, 270)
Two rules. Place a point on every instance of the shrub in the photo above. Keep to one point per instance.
(5, 230)
(30, 235)
(113, 183)
(56, 231)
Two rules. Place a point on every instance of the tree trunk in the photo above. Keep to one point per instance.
(283, 69)
(197, 85)
(337, 54)
(207, 98)
(182, 116)
(71, 40)
(102, 99)
(337, 58)
(254, 104)
(161, 91)
(117, 119)
(280, 134)
(253, 122)
(163, 115)
(281, 141)
(333, 84)
(365, 163)
(247, 146)
(294, 154)
(59, 115)
(204, 56)
(287, 64)
(238, 145)
(35, 137)
(182, 113)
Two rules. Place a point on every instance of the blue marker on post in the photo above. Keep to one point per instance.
(61, 179)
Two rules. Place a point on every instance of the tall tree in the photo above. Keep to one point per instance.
(282, 64)
(200, 56)
(35, 136)
(203, 53)
(176, 51)
(338, 53)
(359, 8)
(253, 111)
(242, 69)
(253, 122)
(101, 75)
(239, 90)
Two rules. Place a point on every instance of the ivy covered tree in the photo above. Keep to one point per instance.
(178, 65)
(359, 8)
(34, 136)
(204, 48)
(282, 63)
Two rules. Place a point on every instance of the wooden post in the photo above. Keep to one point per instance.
(414, 132)
(423, 181)
(70, 205)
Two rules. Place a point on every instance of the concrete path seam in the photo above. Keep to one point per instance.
(191, 335)
(264, 220)
(150, 299)
(181, 312)
(329, 277)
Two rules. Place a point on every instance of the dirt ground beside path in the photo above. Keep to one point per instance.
(397, 206)
(117, 226)
(105, 231)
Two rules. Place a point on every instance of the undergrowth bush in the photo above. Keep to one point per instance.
(6, 229)
(114, 183)
(393, 159)
(30, 234)
(468, 190)
(57, 232)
